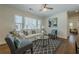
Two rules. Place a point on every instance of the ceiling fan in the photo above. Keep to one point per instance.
(45, 8)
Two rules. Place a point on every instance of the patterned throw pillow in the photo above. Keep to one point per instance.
(17, 43)
(25, 32)
(33, 32)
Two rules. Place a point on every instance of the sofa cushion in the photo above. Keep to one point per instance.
(21, 42)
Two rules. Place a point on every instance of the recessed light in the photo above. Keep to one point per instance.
(30, 9)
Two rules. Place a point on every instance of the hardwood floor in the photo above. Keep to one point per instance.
(67, 47)
(4, 49)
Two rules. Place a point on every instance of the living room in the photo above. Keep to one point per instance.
(39, 27)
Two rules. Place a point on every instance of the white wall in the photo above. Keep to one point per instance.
(7, 20)
(62, 24)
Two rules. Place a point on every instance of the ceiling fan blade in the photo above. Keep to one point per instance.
(42, 6)
(49, 8)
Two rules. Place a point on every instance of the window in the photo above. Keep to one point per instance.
(26, 23)
(18, 22)
(34, 24)
(31, 23)
(39, 24)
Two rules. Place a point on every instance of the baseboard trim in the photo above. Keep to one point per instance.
(3, 44)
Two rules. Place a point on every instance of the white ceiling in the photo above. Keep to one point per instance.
(36, 7)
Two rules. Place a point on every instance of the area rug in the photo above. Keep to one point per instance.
(45, 46)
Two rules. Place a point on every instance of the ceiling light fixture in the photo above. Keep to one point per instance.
(44, 9)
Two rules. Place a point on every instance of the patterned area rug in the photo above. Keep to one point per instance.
(45, 46)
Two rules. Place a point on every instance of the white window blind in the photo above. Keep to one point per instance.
(26, 23)
(18, 22)
(31, 23)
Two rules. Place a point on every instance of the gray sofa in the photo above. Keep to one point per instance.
(18, 46)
